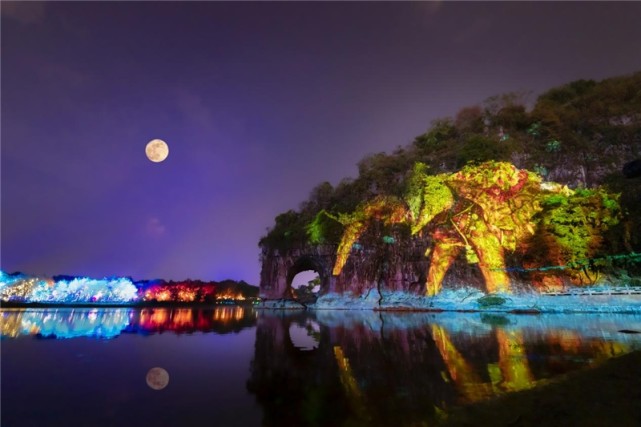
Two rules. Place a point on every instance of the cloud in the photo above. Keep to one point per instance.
(154, 227)
(24, 12)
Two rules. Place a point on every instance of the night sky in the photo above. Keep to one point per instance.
(259, 102)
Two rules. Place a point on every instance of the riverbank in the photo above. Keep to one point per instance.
(592, 300)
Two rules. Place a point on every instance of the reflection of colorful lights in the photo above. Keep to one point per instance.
(154, 318)
(226, 314)
(110, 322)
(350, 384)
(103, 323)
(460, 371)
(186, 319)
(514, 369)
(10, 324)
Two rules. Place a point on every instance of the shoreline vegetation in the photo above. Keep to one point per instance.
(146, 304)
(19, 289)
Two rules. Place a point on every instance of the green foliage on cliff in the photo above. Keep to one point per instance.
(579, 221)
(426, 196)
(579, 134)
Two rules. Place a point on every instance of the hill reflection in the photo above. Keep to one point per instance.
(351, 368)
(381, 369)
(105, 323)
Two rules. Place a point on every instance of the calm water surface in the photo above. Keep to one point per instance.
(234, 366)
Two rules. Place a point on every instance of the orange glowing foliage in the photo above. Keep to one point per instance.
(180, 292)
(230, 296)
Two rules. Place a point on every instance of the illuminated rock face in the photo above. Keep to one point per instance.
(486, 210)
(278, 270)
(483, 211)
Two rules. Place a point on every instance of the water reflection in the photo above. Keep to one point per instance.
(407, 369)
(295, 368)
(105, 323)
(187, 320)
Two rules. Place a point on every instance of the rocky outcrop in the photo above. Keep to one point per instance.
(391, 267)
(400, 266)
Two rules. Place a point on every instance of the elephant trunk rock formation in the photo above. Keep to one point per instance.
(414, 243)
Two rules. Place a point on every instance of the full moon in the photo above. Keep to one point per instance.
(157, 150)
(157, 378)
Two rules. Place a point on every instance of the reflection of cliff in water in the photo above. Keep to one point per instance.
(383, 369)
(295, 386)
(107, 323)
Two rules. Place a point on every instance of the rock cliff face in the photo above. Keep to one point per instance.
(280, 267)
(394, 267)
(467, 225)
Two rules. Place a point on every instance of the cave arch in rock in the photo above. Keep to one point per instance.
(307, 263)
(303, 278)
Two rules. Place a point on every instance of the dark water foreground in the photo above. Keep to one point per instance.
(233, 366)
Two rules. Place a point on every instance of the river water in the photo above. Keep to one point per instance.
(237, 366)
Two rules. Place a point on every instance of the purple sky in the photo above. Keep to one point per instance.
(259, 102)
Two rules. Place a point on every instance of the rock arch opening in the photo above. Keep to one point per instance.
(306, 279)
